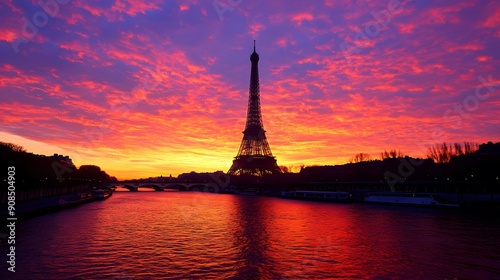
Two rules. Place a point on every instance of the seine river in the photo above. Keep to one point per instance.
(187, 235)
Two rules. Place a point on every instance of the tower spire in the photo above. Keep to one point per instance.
(254, 156)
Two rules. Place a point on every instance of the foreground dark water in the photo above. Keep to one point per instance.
(151, 235)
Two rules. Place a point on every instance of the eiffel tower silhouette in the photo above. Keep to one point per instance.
(254, 156)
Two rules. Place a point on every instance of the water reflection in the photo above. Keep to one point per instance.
(194, 235)
(251, 239)
(309, 238)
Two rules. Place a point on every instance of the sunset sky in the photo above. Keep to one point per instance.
(161, 87)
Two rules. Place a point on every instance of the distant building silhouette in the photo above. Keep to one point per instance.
(254, 156)
(62, 159)
(489, 148)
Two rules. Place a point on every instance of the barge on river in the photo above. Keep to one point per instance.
(317, 195)
(409, 199)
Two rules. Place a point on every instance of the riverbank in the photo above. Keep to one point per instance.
(428, 199)
(55, 203)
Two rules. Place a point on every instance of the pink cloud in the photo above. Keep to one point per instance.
(471, 46)
(283, 42)
(483, 58)
(406, 28)
(254, 29)
(300, 18)
(133, 8)
(447, 14)
(7, 35)
(493, 18)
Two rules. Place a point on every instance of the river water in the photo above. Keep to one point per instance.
(180, 235)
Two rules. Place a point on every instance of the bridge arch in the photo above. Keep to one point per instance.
(130, 187)
(204, 188)
(160, 186)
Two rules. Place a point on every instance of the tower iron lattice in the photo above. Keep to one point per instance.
(254, 156)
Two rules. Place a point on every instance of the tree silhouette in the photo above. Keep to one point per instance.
(470, 147)
(442, 153)
(359, 158)
(391, 154)
(11, 147)
(92, 173)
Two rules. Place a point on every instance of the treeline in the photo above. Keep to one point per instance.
(440, 153)
(444, 152)
(33, 171)
(449, 163)
(383, 155)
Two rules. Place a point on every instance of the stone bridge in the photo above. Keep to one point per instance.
(161, 186)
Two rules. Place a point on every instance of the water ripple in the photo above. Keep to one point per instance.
(191, 235)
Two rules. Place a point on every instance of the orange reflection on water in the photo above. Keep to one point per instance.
(157, 235)
(310, 239)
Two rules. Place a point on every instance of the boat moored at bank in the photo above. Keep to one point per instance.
(409, 199)
(318, 195)
(102, 193)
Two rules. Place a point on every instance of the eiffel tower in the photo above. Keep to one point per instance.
(254, 156)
